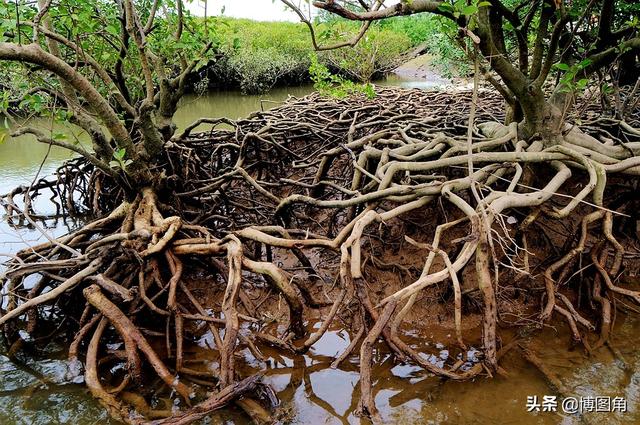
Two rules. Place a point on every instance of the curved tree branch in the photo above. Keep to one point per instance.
(558, 28)
(33, 53)
(42, 138)
(100, 71)
(314, 41)
(399, 9)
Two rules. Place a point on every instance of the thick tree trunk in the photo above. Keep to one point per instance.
(542, 118)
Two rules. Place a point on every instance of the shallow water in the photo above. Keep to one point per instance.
(311, 392)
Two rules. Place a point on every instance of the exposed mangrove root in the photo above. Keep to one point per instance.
(367, 215)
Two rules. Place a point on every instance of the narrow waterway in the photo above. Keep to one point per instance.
(38, 392)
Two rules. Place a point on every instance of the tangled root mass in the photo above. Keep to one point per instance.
(357, 212)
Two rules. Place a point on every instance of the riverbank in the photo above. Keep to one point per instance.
(427, 69)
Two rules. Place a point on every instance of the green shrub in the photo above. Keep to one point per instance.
(437, 34)
(259, 55)
(328, 84)
(257, 71)
(378, 52)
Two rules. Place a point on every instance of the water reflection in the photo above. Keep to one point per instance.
(434, 82)
(312, 392)
(38, 393)
(231, 104)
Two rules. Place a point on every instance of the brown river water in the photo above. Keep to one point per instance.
(311, 392)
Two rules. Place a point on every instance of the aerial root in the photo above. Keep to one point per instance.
(286, 219)
(215, 402)
(133, 339)
(598, 254)
(367, 405)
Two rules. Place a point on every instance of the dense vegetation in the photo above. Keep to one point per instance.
(256, 56)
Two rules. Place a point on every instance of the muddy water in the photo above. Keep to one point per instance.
(37, 391)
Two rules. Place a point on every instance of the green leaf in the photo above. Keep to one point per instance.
(469, 10)
(562, 66)
(581, 84)
(484, 3)
(584, 63)
(445, 7)
(113, 29)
